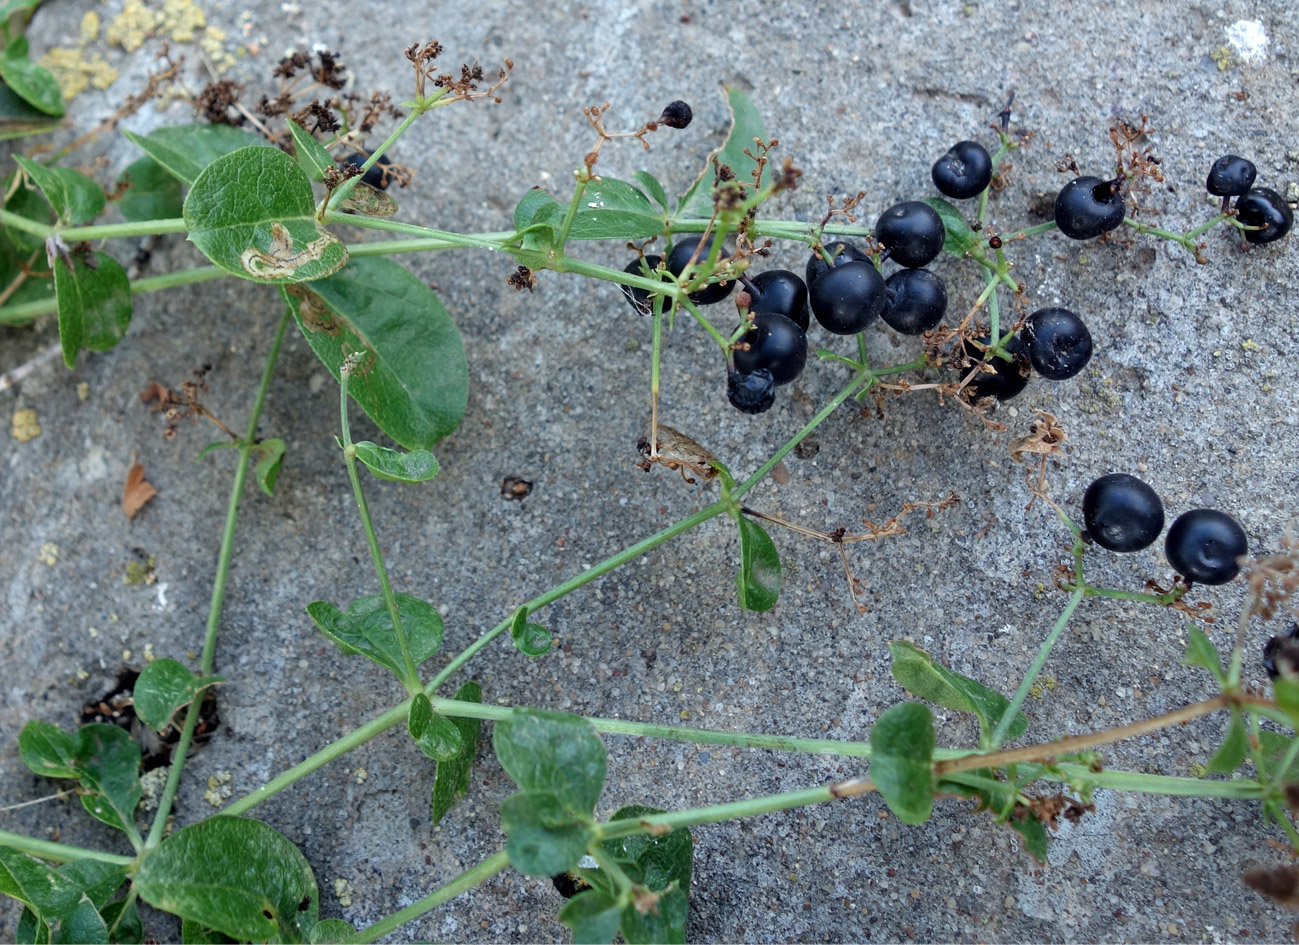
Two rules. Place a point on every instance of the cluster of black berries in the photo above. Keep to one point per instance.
(1122, 513)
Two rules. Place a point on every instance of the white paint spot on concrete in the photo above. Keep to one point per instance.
(1248, 39)
(161, 590)
(94, 466)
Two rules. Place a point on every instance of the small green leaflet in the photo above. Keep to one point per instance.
(902, 751)
(75, 197)
(311, 154)
(543, 834)
(366, 628)
(152, 193)
(451, 782)
(19, 119)
(958, 238)
(396, 466)
(162, 687)
(108, 765)
(758, 580)
(270, 459)
(94, 303)
(331, 931)
(930, 680)
(1231, 752)
(184, 150)
(593, 916)
(1201, 652)
(421, 712)
(553, 752)
(665, 863)
(746, 124)
(57, 898)
(531, 639)
(48, 750)
(441, 740)
(253, 214)
(608, 209)
(653, 188)
(1032, 831)
(33, 84)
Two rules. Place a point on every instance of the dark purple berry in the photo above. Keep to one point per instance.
(751, 393)
(838, 250)
(375, 176)
(776, 344)
(1004, 380)
(1086, 207)
(1059, 344)
(1230, 176)
(779, 290)
(1265, 209)
(680, 257)
(848, 297)
(912, 232)
(639, 298)
(916, 301)
(1203, 545)
(1122, 513)
(1288, 646)
(964, 171)
(676, 115)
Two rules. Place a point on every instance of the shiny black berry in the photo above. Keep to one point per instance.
(964, 171)
(680, 257)
(1230, 176)
(1122, 513)
(676, 115)
(838, 250)
(1203, 545)
(912, 232)
(751, 393)
(1265, 209)
(916, 301)
(1086, 207)
(779, 290)
(848, 297)
(1004, 380)
(375, 176)
(640, 298)
(1059, 344)
(776, 344)
(1288, 643)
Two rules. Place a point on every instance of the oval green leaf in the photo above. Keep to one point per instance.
(593, 917)
(18, 119)
(108, 765)
(746, 124)
(75, 197)
(654, 188)
(930, 680)
(252, 213)
(758, 580)
(396, 466)
(417, 719)
(441, 740)
(152, 193)
(48, 750)
(902, 751)
(531, 639)
(270, 459)
(451, 781)
(94, 303)
(331, 931)
(310, 153)
(367, 629)
(184, 150)
(958, 238)
(162, 687)
(414, 380)
(33, 84)
(544, 836)
(236, 875)
(553, 752)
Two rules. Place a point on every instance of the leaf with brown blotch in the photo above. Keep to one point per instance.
(137, 490)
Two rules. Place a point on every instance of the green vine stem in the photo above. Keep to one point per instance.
(59, 852)
(207, 659)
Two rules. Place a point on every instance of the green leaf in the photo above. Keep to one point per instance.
(94, 303)
(31, 929)
(1286, 692)
(531, 639)
(902, 751)
(82, 924)
(593, 916)
(665, 864)
(27, 202)
(33, 267)
(758, 579)
(270, 459)
(152, 193)
(420, 714)
(928, 679)
(97, 881)
(1201, 652)
(1275, 747)
(529, 205)
(18, 119)
(367, 629)
(609, 209)
(396, 466)
(129, 929)
(1033, 832)
(441, 740)
(55, 894)
(654, 188)
(311, 154)
(252, 213)
(33, 84)
(162, 687)
(555, 752)
(414, 380)
(16, 48)
(195, 933)
(1231, 752)
(75, 197)
(185, 150)
(663, 923)
(451, 782)
(330, 931)
(958, 238)
(235, 875)
(48, 750)
(544, 835)
(746, 124)
(10, 7)
(108, 765)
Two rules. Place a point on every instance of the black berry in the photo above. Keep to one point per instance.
(640, 298)
(680, 257)
(848, 297)
(1059, 344)
(751, 393)
(1004, 380)
(676, 115)
(1230, 176)
(1122, 513)
(912, 232)
(776, 344)
(375, 176)
(1203, 545)
(1265, 209)
(779, 290)
(838, 250)
(1284, 645)
(1087, 207)
(916, 301)
(964, 171)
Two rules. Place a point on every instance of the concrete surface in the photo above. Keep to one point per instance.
(1193, 385)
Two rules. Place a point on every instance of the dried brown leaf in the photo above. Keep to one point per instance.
(137, 490)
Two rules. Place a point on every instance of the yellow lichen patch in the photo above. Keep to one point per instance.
(344, 891)
(182, 19)
(49, 554)
(83, 391)
(25, 425)
(130, 28)
(218, 789)
(74, 69)
(214, 44)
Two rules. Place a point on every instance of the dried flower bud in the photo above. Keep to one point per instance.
(676, 115)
